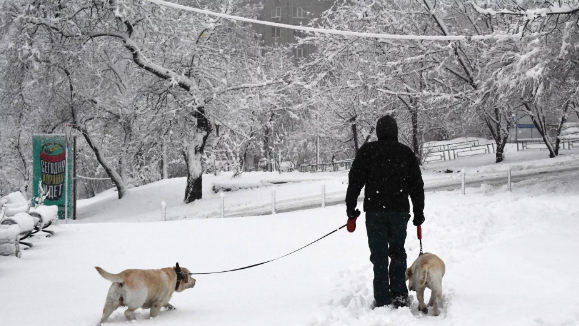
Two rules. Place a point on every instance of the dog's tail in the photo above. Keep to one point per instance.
(108, 276)
(423, 277)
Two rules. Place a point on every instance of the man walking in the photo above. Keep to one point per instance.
(390, 172)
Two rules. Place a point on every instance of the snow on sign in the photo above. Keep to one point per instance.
(51, 164)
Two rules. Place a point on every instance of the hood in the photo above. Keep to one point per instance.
(386, 128)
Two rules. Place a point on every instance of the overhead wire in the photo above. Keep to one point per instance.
(340, 32)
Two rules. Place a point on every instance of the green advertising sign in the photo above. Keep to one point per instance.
(51, 164)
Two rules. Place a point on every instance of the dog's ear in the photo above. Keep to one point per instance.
(177, 268)
(408, 273)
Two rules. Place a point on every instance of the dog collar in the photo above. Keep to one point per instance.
(180, 274)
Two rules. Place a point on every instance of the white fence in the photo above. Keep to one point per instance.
(277, 205)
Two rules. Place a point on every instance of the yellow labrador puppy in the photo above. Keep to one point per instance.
(426, 272)
(144, 288)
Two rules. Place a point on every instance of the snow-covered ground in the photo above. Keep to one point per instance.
(510, 258)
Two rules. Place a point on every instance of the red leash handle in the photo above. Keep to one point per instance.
(419, 232)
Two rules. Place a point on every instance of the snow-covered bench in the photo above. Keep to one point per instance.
(569, 134)
(535, 143)
(456, 152)
(479, 150)
(430, 147)
(25, 225)
(570, 141)
(29, 224)
(15, 218)
(9, 238)
(43, 217)
(14, 203)
(435, 157)
(567, 142)
(342, 165)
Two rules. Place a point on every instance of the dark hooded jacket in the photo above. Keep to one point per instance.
(390, 172)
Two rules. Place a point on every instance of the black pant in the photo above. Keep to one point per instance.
(386, 237)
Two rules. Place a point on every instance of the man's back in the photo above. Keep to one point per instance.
(391, 173)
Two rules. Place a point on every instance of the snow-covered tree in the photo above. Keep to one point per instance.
(539, 72)
(115, 58)
(360, 79)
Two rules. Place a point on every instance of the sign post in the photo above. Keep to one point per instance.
(53, 173)
(67, 133)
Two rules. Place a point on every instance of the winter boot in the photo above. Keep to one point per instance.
(400, 300)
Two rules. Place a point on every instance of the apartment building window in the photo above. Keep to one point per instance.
(300, 52)
(299, 12)
(276, 13)
(275, 32)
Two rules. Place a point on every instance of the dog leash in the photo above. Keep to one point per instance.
(269, 261)
(419, 234)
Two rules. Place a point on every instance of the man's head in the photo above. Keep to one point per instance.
(386, 128)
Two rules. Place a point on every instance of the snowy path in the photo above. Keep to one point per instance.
(542, 286)
(511, 260)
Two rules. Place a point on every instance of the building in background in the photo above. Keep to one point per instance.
(291, 12)
(524, 129)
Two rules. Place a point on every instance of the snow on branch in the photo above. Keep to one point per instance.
(246, 86)
(554, 9)
(142, 61)
(138, 56)
(339, 32)
(422, 94)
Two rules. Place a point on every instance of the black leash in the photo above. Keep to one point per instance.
(419, 234)
(269, 261)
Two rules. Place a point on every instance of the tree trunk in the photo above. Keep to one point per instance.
(538, 119)
(164, 160)
(194, 188)
(123, 160)
(243, 156)
(193, 156)
(115, 177)
(367, 139)
(24, 171)
(415, 144)
(267, 148)
(500, 154)
(318, 149)
(216, 169)
(563, 120)
(495, 127)
(123, 167)
(539, 125)
(355, 137)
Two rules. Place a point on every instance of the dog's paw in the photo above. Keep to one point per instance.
(169, 306)
(423, 310)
